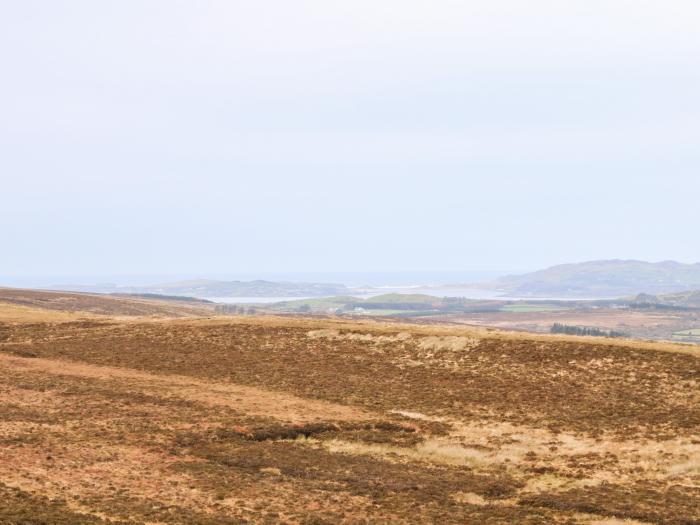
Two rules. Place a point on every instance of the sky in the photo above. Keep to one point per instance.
(226, 138)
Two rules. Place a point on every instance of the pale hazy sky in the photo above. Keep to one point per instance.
(201, 137)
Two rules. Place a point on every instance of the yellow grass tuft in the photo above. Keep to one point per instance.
(336, 335)
(469, 498)
(452, 343)
(432, 451)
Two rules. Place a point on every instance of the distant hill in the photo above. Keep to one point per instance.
(204, 288)
(612, 278)
(395, 305)
(160, 297)
(675, 300)
(101, 304)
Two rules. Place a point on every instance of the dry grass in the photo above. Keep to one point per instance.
(337, 335)
(383, 327)
(268, 420)
(13, 313)
(432, 451)
(85, 304)
(252, 401)
(453, 343)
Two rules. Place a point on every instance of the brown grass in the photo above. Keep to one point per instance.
(85, 304)
(268, 420)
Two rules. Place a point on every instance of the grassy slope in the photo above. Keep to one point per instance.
(265, 419)
(95, 304)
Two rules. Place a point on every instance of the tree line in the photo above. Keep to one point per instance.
(234, 309)
(560, 328)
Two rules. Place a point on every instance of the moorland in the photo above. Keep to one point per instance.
(138, 410)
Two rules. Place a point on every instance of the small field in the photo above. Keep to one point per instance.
(527, 308)
(692, 334)
(213, 421)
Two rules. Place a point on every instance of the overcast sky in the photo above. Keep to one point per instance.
(219, 137)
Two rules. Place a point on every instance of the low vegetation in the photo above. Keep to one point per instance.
(299, 420)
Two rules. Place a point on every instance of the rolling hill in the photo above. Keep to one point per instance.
(611, 278)
(675, 300)
(37, 301)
